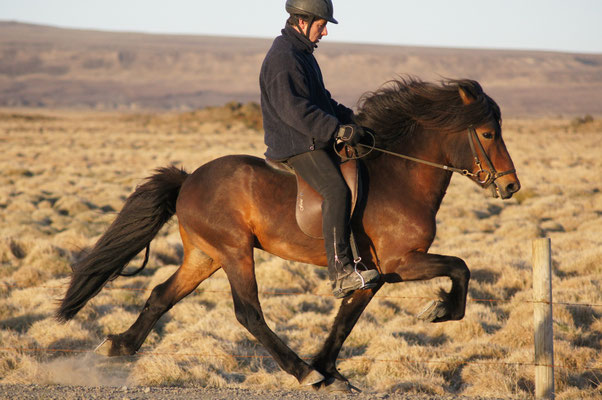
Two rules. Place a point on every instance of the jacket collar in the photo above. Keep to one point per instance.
(298, 40)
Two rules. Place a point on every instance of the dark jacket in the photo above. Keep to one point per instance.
(299, 115)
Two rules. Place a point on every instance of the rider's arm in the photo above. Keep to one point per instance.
(344, 114)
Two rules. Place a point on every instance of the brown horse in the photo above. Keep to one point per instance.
(234, 204)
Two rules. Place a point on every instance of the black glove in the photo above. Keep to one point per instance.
(350, 134)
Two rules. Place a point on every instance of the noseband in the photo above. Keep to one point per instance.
(483, 177)
(491, 174)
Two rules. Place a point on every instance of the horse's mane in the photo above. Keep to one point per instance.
(406, 106)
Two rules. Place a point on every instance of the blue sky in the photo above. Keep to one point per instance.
(558, 25)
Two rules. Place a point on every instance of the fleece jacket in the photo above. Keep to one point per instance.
(299, 114)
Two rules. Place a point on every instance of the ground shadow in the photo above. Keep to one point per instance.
(22, 323)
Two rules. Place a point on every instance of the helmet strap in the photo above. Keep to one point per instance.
(310, 22)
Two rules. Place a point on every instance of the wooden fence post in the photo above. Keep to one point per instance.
(542, 312)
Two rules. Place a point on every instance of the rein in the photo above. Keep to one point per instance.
(490, 175)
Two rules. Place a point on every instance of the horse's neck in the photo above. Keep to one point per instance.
(413, 180)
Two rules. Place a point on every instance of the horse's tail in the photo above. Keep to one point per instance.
(145, 211)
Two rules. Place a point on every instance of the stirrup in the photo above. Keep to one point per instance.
(340, 292)
(373, 281)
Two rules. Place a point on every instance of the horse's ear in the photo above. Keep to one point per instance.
(469, 90)
(466, 96)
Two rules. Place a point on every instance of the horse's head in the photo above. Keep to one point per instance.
(485, 157)
(456, 119)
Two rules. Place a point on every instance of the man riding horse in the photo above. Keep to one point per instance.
(301, 122)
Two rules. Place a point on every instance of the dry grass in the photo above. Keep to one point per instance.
(65, 174)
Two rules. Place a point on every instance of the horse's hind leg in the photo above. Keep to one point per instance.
(195, 268)
(241, 274)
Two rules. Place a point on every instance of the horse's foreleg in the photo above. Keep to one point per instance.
(196, 268)
(424, 266)
(350, 311)
(240, 272)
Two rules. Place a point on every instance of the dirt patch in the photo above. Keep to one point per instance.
(31, 392)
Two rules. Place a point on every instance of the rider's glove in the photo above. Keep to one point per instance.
(350, 134)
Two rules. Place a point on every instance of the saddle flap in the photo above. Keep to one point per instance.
(279, 166)
(309, 202)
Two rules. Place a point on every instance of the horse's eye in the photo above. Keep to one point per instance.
(488, 135)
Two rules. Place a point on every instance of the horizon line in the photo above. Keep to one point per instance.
(333, 41)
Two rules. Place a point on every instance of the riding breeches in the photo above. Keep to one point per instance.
(321, 171)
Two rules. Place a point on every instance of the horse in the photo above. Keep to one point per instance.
(234, 204)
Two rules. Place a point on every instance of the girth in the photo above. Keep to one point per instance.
(308, 206)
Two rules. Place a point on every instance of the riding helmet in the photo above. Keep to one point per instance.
(319, 8)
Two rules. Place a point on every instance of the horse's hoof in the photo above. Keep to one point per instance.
(312, 378)
(333, 385)
(104, 348)
(434, 311)
(338, 386)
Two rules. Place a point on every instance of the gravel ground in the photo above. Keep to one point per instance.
(63, 392)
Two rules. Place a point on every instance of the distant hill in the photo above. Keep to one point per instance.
(43, 66)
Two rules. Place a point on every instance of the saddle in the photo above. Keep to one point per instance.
(308, 206)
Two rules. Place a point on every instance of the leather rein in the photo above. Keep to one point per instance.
(483, 177)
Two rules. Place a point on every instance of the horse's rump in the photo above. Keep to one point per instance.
(240, 198)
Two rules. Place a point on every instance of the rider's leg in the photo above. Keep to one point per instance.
(322, 173)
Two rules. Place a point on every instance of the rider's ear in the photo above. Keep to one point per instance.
(467, 97)
(302, 25)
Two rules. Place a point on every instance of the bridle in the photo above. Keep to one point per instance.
(491, 174)
(484, 177)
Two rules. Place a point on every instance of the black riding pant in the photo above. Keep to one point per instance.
(321, 171)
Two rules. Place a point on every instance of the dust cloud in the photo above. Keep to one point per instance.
(88, 369)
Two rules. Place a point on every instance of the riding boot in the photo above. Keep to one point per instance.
(344, 275)
(348, 278)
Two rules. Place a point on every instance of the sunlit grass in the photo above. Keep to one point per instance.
(65, 175)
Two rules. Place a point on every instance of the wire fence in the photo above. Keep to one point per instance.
(446, 361)
(290, 293)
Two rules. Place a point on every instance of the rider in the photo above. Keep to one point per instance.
(301, 122)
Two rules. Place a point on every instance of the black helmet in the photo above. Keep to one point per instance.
(319, 8)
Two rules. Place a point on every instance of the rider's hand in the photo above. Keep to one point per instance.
(350, 134)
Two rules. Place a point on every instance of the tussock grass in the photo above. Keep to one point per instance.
(66, 174)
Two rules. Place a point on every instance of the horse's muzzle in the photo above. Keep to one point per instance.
(505, 190)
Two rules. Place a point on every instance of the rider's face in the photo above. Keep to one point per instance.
(317, 31)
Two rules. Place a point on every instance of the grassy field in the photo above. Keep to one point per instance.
(65, 174)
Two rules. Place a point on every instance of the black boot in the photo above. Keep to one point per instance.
(349, 279)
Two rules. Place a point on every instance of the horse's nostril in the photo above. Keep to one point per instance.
(512, 187)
